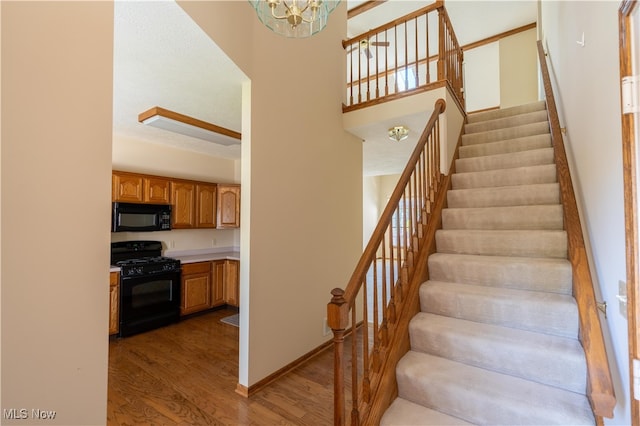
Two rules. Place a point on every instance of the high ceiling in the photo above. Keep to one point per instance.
(162, 58)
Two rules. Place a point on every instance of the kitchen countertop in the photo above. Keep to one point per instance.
(199, 255)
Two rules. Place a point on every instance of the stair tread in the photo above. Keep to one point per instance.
(503, 242)
(506, 112)
(520, 131)
(521, 309)
(547, 216)
(514, 195)
(514, 176)
(525, 273)
(403, 412)
(544, 358)
(506, 122)
(486, 397)
(527, 158)
(507, 146)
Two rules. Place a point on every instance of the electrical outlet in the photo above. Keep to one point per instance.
(172, 244)
(326, 330)
(214, 242)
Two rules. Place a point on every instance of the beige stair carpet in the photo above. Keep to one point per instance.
(496, 341)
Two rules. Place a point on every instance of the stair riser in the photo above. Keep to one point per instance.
(505, 196)
(506, 122)
(545, 359)
(505, 134)
(503, 243)
(547, 275)
(506, 146)
(504, 218)
(505, 161)
(541, 313)
(508, 177)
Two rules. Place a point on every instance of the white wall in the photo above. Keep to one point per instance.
(301, 183)
(587, 96)
(502, 73)
(518, 69)
(482, 77)
(56, 169)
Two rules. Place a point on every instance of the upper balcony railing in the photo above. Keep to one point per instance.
(416, 52)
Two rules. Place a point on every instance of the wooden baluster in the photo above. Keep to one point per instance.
(441, 45)
(395, 52)
(406, 59)
(392, 282)
(428, 55)
(351, 75)
(368, 72)
(377, 69)
(355, 414)
(366, 385)
(386, 66)
(359, 73)
(375, 362)
(417, 61)
(383, 326)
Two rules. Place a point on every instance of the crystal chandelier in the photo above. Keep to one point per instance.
(294, 18)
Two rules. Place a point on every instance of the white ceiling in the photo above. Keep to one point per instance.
(162, 58)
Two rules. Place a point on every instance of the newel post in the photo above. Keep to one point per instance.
(441, 41)
(337, 314)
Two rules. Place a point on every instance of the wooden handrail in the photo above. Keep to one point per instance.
(600, 389)
(381, 277)
(395, 58)
(389, 25)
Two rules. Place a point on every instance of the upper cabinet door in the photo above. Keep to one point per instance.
(126, 187)
(228, 206)
(156, 190)
(182, 201)
(205, 206)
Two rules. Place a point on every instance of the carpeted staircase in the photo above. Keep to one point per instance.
(496, 341)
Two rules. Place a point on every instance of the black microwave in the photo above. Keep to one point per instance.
(132, 217)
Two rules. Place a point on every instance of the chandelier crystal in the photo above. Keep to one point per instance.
(294, 18)
(398, 133)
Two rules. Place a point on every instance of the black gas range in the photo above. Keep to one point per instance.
(149, 286)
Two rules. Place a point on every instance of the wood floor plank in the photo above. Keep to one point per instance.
(186, 374)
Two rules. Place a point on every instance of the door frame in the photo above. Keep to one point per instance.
(630, 168)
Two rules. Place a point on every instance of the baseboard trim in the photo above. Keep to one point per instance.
(251, 390)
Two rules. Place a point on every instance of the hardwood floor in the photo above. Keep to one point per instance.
(186, 374)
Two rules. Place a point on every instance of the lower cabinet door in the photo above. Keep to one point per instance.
(196, 287)
(114, 302)
(217, 283)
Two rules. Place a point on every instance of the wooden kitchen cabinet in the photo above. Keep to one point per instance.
(196, 287)
(217, 283)
(232, 282)
(183, 204)
(205, 205)
(228, 206)
(156, 190)
(137, 188)
(114, 302)
(127, 187)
